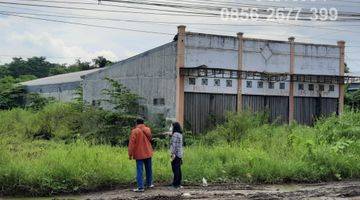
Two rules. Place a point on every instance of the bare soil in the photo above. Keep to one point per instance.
(335, 190)
(338, 190)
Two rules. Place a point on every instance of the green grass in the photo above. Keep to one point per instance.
(244, 149)
(48, 168)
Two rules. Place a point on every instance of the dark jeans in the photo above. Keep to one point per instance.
(139, 172)
(176, 168)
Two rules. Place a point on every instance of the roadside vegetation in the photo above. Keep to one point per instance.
(48, 147)
(59, 149)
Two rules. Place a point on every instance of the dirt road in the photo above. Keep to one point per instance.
(338, 190)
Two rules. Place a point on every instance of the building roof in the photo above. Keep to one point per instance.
(61, 78)
(116, 64)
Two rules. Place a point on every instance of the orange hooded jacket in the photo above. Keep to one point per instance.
(140, 143)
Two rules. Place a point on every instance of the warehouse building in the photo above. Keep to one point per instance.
(60, 87)
(197, 77)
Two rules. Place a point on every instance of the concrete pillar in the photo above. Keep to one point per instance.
(180, 62)
(291, 84)
(341, 45)
(240, 68)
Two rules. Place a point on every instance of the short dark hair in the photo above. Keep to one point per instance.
(176, 127)
(139, 121)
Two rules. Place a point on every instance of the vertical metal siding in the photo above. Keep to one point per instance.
(276, 106)
(253, 103)
(307, 109)
(329, 106)
(200, 108)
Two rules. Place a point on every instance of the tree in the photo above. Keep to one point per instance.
(23, 78)
(352, 98)
(347, 70)
(58, 69)
(101, 62)
(36, 102)
(79, 92)
(37, 66)
(79, 66)
(11, 94)
(4, 71)
(123, 99)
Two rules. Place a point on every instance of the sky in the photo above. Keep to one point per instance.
(64, 43)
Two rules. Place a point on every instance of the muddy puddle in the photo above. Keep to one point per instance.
(338, 190)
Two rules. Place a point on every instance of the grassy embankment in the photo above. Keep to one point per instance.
(243, 149)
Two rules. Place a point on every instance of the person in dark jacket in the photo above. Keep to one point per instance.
(141, 150)
(176, 149)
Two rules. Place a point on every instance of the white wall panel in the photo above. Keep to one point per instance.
(211, 41)
(316, 59)
(262, 56)
(266, 56)
(213, 58)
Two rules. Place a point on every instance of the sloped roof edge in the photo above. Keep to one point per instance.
(130, 59)
(61, 78)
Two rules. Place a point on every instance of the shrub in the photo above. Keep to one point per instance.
(244, 148)
(235, 127)
(36, 102)
(122, 98)
(69, 122)
(334, 128)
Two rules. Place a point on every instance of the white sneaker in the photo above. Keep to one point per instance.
(138, 190)
(151, 186)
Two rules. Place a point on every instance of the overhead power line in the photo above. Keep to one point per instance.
(347, 1)
(123, 20)
(116, 5)
(262, 15)
(164, 22)
(173, 4)
(84, 24)
(191, 23)
(125, 29)
(76, 23)
(113, 11)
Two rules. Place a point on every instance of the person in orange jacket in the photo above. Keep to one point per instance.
(141, 150)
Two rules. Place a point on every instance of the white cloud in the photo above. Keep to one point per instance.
(4, 24)
(105, 53)
(46, 44)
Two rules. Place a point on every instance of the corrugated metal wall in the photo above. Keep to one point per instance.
(61, 92)
(203, 111)
(151, 74)
(307, 109)
(276, 106)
